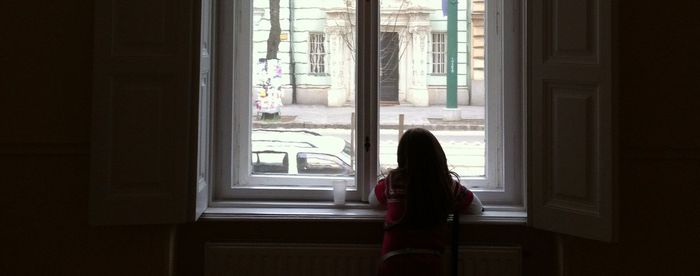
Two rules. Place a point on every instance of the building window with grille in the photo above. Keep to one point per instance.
(317, 54)
(439, 50)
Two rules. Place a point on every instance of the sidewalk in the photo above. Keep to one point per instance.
(430, 117)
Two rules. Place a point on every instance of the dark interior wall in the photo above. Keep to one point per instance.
(539, 249)
(659, 147)
(45, 85)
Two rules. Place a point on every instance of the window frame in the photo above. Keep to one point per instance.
(504, 108)
(170, 192)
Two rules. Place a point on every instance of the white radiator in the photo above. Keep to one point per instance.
(342, 260)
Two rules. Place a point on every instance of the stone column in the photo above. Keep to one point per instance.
(405, 63)
(417, 93)
(337, 94)
(349, 68)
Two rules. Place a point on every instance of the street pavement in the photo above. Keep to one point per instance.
(463, 140)
(430, 117)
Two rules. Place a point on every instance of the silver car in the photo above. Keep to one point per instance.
(299, 153)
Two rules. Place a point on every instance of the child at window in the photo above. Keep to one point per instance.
(418, 196)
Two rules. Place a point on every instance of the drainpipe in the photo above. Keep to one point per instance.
(469, 51)
(292, 63)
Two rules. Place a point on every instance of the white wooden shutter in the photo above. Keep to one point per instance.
(144, 123)
(570, 167)
(205, 129)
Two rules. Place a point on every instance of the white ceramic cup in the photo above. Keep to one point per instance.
(339, 192)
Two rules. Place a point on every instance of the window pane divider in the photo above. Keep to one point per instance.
(367, 95)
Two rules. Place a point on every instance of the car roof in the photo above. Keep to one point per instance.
(306, 140)
(293, 142)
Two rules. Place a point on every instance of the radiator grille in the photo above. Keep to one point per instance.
(341, 260)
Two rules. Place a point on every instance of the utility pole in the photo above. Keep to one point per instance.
(292, 63)
(452, 113)
(451, 54)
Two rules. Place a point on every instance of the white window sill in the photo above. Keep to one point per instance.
(350, 212)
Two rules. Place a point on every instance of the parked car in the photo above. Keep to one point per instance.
(299, 153)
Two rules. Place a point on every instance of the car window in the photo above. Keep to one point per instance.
(270, 162)
(317, 163)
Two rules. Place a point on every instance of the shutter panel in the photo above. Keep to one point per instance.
(205, 129)
(144, 112)
(570, 126)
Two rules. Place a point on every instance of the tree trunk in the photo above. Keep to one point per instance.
(273, 41)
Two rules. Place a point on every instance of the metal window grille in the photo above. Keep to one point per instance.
(439, 53)
(317, 53)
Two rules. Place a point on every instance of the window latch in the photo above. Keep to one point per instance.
(367, 144)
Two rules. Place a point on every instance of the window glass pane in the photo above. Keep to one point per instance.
(317, 53)
(439, 51)
(415, 75)
(325, 164)
(303, 89)
(267, 161)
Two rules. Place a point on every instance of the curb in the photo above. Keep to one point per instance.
(473, 124)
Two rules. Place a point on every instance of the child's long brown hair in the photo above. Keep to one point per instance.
(428, 182)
